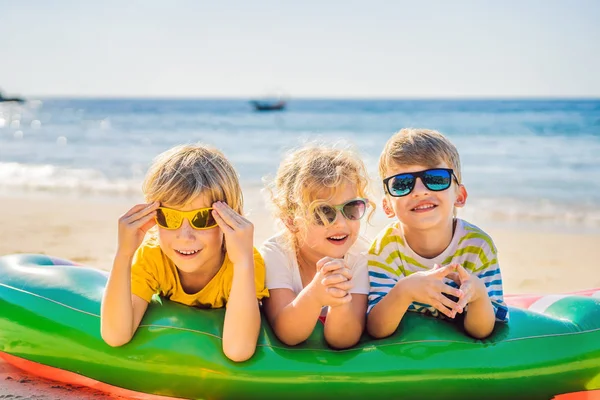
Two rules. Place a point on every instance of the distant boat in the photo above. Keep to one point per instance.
(268, 105)
(7, 99)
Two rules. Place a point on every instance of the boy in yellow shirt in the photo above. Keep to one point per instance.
(201, 253)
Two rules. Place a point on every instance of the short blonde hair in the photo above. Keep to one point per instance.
(306, 172)
(419, 147)
(184, 172)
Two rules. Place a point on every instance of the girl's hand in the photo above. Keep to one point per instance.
(133, 226)
(238, 231)
(331, 283)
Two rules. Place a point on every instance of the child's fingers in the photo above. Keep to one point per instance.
(444, 271)
(338, 301)
(138, 211)
(229, 215)
(451, 290)
(462, 303)
(138, 223)
(448, 303)
(323, 261)
(345, 285)
(149, 210)
(344, 271)
(333, 279)
(221, 222)
(454, 277)
(462, 273)
(337, 293)
(332, 265)
(149, 224)
(442, 308)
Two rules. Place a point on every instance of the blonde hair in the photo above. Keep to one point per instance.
(419, 147)
(306, 172)
(184, 172)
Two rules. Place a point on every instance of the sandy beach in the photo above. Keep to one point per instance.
(84, 230)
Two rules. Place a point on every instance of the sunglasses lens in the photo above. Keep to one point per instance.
(355, 209)
(401, 185)
(203, 219)
(169, 219)
(437, 179)
(325, 212)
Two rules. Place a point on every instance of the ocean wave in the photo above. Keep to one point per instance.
(51, 178)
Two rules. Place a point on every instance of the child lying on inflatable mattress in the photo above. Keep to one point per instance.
(428, 260)
(317, 266)
(200, 254)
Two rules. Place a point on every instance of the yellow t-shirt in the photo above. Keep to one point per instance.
(153, 272)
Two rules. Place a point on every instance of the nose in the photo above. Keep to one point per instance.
(420, 188)
(185, 231)
(340, 219)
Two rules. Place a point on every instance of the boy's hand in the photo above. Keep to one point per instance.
(331, 283)
(472, 287)
(238, 231)
(428, 287)
(133, 226)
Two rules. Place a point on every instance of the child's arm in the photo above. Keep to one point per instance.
(479, 320)
(122, 311)
(345, 323)
(426, 287)
(242, 316)
(292, 317)
(484, 296)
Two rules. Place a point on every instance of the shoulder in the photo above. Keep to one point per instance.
(276, 251)
(149, 250)
(389, 235)
(473, 236)
(259, 262)
(357, 254)
(275, 244)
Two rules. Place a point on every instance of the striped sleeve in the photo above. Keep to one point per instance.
(490, 274)
(382, 273)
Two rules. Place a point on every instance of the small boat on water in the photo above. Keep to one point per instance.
(278, 105)
(10, 99)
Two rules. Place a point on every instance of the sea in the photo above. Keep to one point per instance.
(527, 163)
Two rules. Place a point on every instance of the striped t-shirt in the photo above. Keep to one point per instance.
(391, 259)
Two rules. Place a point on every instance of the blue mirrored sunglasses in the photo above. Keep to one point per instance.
(434, 179)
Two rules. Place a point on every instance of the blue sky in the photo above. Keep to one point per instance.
(305, 48)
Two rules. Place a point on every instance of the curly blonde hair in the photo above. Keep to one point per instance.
(308, 171)
(419, 147)
(184, 172)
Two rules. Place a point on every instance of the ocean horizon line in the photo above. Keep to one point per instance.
(311, 98)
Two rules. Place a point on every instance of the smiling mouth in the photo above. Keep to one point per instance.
(187, 252)
(424, 207)
(337, 238)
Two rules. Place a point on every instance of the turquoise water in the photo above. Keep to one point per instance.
(532, 161)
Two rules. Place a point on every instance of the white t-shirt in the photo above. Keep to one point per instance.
(283, 271)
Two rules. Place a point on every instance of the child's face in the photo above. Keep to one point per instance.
(335, 239)
(205, 245)
(422, 208)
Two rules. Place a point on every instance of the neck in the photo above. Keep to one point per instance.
(195, 281)
(430, 243)
(307, 262)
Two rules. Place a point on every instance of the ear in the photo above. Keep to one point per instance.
(387, 208)
(461, 196)
(290, 224)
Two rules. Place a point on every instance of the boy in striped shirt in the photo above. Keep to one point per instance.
(428, 260)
